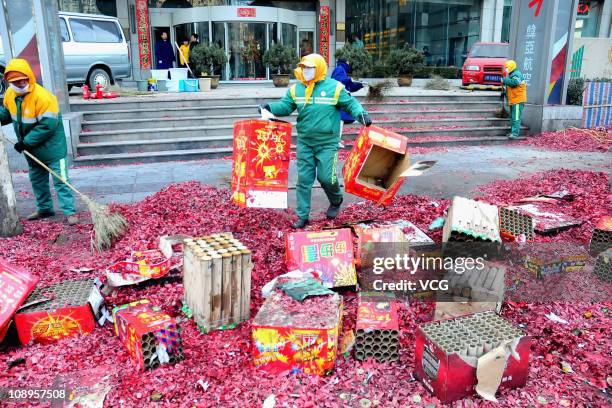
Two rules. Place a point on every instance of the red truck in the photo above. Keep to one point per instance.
(485, 63)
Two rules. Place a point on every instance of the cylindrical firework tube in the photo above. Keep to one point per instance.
(217, 297)
(247, 266)
(188, 275)
(236, 286)
(226, 300)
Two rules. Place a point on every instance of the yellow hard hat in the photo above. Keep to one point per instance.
(510, 65)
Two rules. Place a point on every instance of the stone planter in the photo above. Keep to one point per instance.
(404, 80)
(214, 80)
(280, 80)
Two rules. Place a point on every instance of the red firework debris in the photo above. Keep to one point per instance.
(573, 139)
(570, 362)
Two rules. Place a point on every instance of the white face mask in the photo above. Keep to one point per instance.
(19, 90)
(309, 73)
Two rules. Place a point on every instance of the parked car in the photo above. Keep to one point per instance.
(485, 63)
(95, 50)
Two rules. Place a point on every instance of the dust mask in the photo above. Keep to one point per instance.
(309, 73)
(19, 90)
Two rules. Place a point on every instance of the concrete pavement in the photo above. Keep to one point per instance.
(457, 172)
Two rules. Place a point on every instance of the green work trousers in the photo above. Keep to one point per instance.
(39, 178)
(516, 112)
(316, 162)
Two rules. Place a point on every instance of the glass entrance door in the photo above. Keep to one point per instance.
(247, 43)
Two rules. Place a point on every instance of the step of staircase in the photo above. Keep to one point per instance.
(191, 127)
(108, 124)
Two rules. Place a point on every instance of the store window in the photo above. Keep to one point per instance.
(247, 43)
(105, 7)
(306, 43)
(289, 35)
(587, 18)
(507, 16)
(443, 30)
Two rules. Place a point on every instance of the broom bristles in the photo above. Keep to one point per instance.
(108, 226)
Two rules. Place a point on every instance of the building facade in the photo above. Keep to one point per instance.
(443, 29)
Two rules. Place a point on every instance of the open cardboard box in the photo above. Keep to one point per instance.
(378, 164)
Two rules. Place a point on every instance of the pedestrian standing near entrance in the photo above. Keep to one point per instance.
(357, 43)
(37, 121)
(184, 54)
(341, 74)
(318, 101)
(164, 53)
(517, 96)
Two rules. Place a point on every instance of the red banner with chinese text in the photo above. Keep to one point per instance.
(142, 30)
(324, 32)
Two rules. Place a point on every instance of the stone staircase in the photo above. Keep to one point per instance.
(164, 129)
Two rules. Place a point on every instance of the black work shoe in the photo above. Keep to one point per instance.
(39, 215)
(333, 210)
(299, 224)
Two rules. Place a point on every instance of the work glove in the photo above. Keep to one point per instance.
(20, 147)
(365, 119)
(265, 112)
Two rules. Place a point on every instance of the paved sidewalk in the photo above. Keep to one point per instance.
(458, 172)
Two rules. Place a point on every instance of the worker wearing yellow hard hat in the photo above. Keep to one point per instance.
(517, 96)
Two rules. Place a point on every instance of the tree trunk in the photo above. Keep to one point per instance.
(9, 221)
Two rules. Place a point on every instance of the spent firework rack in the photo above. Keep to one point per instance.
(471, 221)
(513, 223)
(377, 327)
(217, 280)
(602, 236)
(603, 266)
(481, 352)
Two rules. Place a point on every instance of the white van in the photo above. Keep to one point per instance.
(95, 50)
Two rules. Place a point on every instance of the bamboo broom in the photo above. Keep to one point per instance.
(107, 226)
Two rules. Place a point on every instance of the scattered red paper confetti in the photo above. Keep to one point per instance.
(218, 369)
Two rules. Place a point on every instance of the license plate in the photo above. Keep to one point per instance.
(492, 78)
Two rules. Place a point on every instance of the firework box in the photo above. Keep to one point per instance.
(297, 337)
(328, 252)
(546, 219)
(15, 285)
(260, 174)
(66, 309)
(480, 352)
(387, 231)
(602, 236)
(547, 260)
(150, 336)
(377, 327)
(378, 164)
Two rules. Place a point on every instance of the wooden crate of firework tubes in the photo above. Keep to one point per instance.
(297, 337)
(479, 352)
(150, 336)
(260, 172)
(329, 252)
(217, 281)
(374, 168)
(15, 285)
(377, 327)
(66, 309)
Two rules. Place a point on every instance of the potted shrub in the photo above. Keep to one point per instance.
(358, 58)
(404, 62)
(207, 60)
(281, 60)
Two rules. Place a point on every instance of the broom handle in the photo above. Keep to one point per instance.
(44, 166)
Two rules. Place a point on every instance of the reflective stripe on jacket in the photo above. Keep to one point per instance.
(516, 87)
(318, 120)
(35, 116)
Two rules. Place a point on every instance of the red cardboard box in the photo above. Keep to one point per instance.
(373, 170)
(377, 327)
(66, 309)
(329, 252)
(15, 285)
(150, 336)
(150, 264)
(452, 373)
(261, 163)
(299, 337)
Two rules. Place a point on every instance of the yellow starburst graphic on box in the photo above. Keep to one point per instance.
(55, 327)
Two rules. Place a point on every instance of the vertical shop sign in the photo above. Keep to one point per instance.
(142, 29)
(324, 17)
